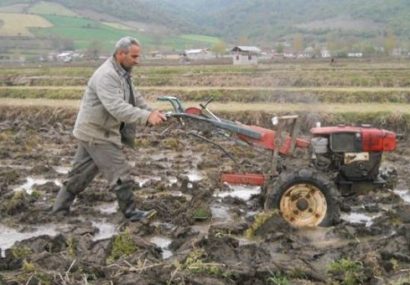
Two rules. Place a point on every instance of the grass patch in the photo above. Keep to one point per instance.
(17, 25)
(200, 38)
(48, 8)
(260, 219)
(196, 262)
(123, 245)
(21, 252)
(117, 26)
(82, 31)
(348, 271)
(278, 279)
(220, 95)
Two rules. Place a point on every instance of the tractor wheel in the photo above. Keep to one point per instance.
(304, 199)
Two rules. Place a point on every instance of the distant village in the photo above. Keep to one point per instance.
(238, 55)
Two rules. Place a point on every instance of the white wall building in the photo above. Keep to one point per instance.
(355, 54)
(245, 55)
(325, 53)
(197, 54)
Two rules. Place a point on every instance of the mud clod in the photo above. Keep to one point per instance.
(198, 236)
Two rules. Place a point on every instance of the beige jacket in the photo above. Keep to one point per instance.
(105, 105)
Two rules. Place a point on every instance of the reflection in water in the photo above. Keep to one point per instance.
(31, 181)
(8, 236)
(163, 243)
(220, 213)
(105, 230)
(62, 169)
(194, 175)
(243, 192)
(404, 194)
(108, 208)
(360, 218)
(146, 180)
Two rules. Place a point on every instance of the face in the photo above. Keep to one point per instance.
(130, 59)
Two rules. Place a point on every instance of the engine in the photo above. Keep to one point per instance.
(355, 153)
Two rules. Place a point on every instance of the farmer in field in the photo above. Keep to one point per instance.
(109, 113)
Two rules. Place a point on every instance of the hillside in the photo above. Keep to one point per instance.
(177, 24)
(264, 20)
(270, 20)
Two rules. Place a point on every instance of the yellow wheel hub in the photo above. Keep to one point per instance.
(303, 205)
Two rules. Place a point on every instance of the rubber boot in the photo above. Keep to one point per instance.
(127, 206)
(63, 201)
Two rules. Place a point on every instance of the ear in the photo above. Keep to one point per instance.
(120, 55)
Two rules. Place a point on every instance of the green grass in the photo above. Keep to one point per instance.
(200, 38)
(350, 270)
(83, 31)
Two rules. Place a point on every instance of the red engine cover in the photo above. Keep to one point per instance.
(267, 140)
(373, 139)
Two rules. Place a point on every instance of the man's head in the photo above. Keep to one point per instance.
(127, 52)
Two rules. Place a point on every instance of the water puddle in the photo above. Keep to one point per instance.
(244, 192)
(201, 228)
(9, 236)
(180, 194)
(220, 213)
(62, 169)
(163, 226)
(108, 208)
(194, 175)
(360, 218)
(31, 181)
(143, 181)
(163, 243)
(172, 180)
(404, 194)
(105, 230)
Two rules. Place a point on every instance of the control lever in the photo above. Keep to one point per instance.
(204, 106)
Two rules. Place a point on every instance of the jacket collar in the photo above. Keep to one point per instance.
(119, 69)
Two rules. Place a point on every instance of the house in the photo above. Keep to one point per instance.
(68, 56)
(245, 55)
(355, 54)
(308, 52)
(289, 53)
(65, 56)
(398, 52)
(197, 54)
(325, 53)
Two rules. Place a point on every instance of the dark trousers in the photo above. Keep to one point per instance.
(91, 159)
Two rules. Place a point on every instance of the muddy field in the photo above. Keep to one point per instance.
(204, 232)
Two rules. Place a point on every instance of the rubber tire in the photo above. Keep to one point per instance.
(306, 176)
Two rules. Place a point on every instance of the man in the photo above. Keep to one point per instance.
(109, 112)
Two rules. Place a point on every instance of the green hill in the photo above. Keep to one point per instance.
(180, 24)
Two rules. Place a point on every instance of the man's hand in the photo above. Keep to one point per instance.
(156, 118)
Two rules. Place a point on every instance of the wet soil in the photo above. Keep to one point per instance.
(203, 233)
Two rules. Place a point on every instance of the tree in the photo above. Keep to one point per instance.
(298, 42)
(279, 48)
(390, 42)
(219, 48)
(62, 44)
(94, 50)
